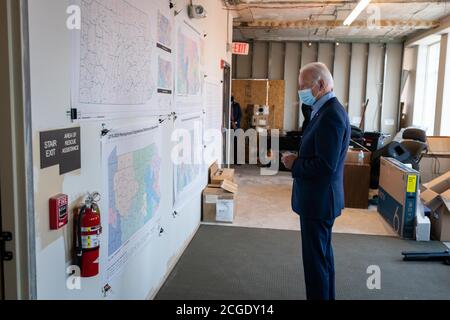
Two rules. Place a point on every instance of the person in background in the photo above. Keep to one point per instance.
(318, 172)
(236, 115)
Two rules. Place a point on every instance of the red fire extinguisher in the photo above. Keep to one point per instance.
(88, 230)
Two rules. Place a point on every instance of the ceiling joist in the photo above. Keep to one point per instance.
(277, 24)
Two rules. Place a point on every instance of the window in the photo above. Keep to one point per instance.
(427, 77)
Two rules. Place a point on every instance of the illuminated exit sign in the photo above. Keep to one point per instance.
(240, 48)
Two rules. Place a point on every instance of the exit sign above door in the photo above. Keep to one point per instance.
(240, 48)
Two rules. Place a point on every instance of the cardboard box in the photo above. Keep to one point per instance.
(437, 161)
(398, 196)
(219, 205)
(353, 154)
(217, 175)
(436, 196)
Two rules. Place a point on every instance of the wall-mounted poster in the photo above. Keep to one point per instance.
(188, 75)
(187, 157)
(122, 59)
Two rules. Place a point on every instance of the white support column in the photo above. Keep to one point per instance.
(374, 86)
(291, 73)
(441, 127)
(358, 74)
(276, 60)
(260, 63)
(420, 84)
(342, 72)
(326, 54)
(391, 96)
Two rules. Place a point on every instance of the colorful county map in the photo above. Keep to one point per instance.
(164, 74)
(134, 193)
(188, 69)
(187, 172)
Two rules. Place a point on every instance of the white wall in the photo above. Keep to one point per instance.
(50, 98)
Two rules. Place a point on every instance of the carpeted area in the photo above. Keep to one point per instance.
(244, 263)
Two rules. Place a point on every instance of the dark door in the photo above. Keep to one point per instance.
(226, 113)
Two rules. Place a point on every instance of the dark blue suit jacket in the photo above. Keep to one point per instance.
(318, 173)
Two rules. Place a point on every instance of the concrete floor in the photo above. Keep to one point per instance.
(265, 202)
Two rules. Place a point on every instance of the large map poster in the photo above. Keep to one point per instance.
(187, 157)
(120, 67)
(132, 183)
(189, 78)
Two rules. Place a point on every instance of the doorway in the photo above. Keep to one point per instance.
(226, 114)
(2, 275)
(17, 273)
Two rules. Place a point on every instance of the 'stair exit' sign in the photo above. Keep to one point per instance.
(240, 48)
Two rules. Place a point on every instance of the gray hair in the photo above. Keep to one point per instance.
(319, 71)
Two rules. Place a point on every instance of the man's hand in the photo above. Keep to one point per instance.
(288, 161)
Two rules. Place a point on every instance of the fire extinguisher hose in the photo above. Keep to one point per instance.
(79, 246)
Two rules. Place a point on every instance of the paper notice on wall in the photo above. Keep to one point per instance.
(225, 211)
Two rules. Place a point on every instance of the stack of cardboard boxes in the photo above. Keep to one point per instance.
(403, 205)
(436, 196)
(219, 197)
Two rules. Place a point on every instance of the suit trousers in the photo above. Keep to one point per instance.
(318, 258)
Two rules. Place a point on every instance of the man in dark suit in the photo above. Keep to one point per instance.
(306, 111)
(318, 190)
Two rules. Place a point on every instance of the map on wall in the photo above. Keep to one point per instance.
(117, 67)
(164, 32)
(115, 54)
(132, 162)
(164, 75)
(188, 71)
(188, 171)
(188, 74)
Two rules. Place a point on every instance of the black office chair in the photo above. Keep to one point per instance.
(415, 134)
(417, 149)
(415, 141)
(392, 150)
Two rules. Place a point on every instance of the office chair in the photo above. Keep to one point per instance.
(392, 150)
(415, 134)
(417, 149)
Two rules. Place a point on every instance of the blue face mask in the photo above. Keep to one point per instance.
(306, 96)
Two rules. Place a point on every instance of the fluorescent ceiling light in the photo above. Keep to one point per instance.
(356, 12)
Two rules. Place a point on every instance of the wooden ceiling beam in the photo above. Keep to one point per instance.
(277, 24)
